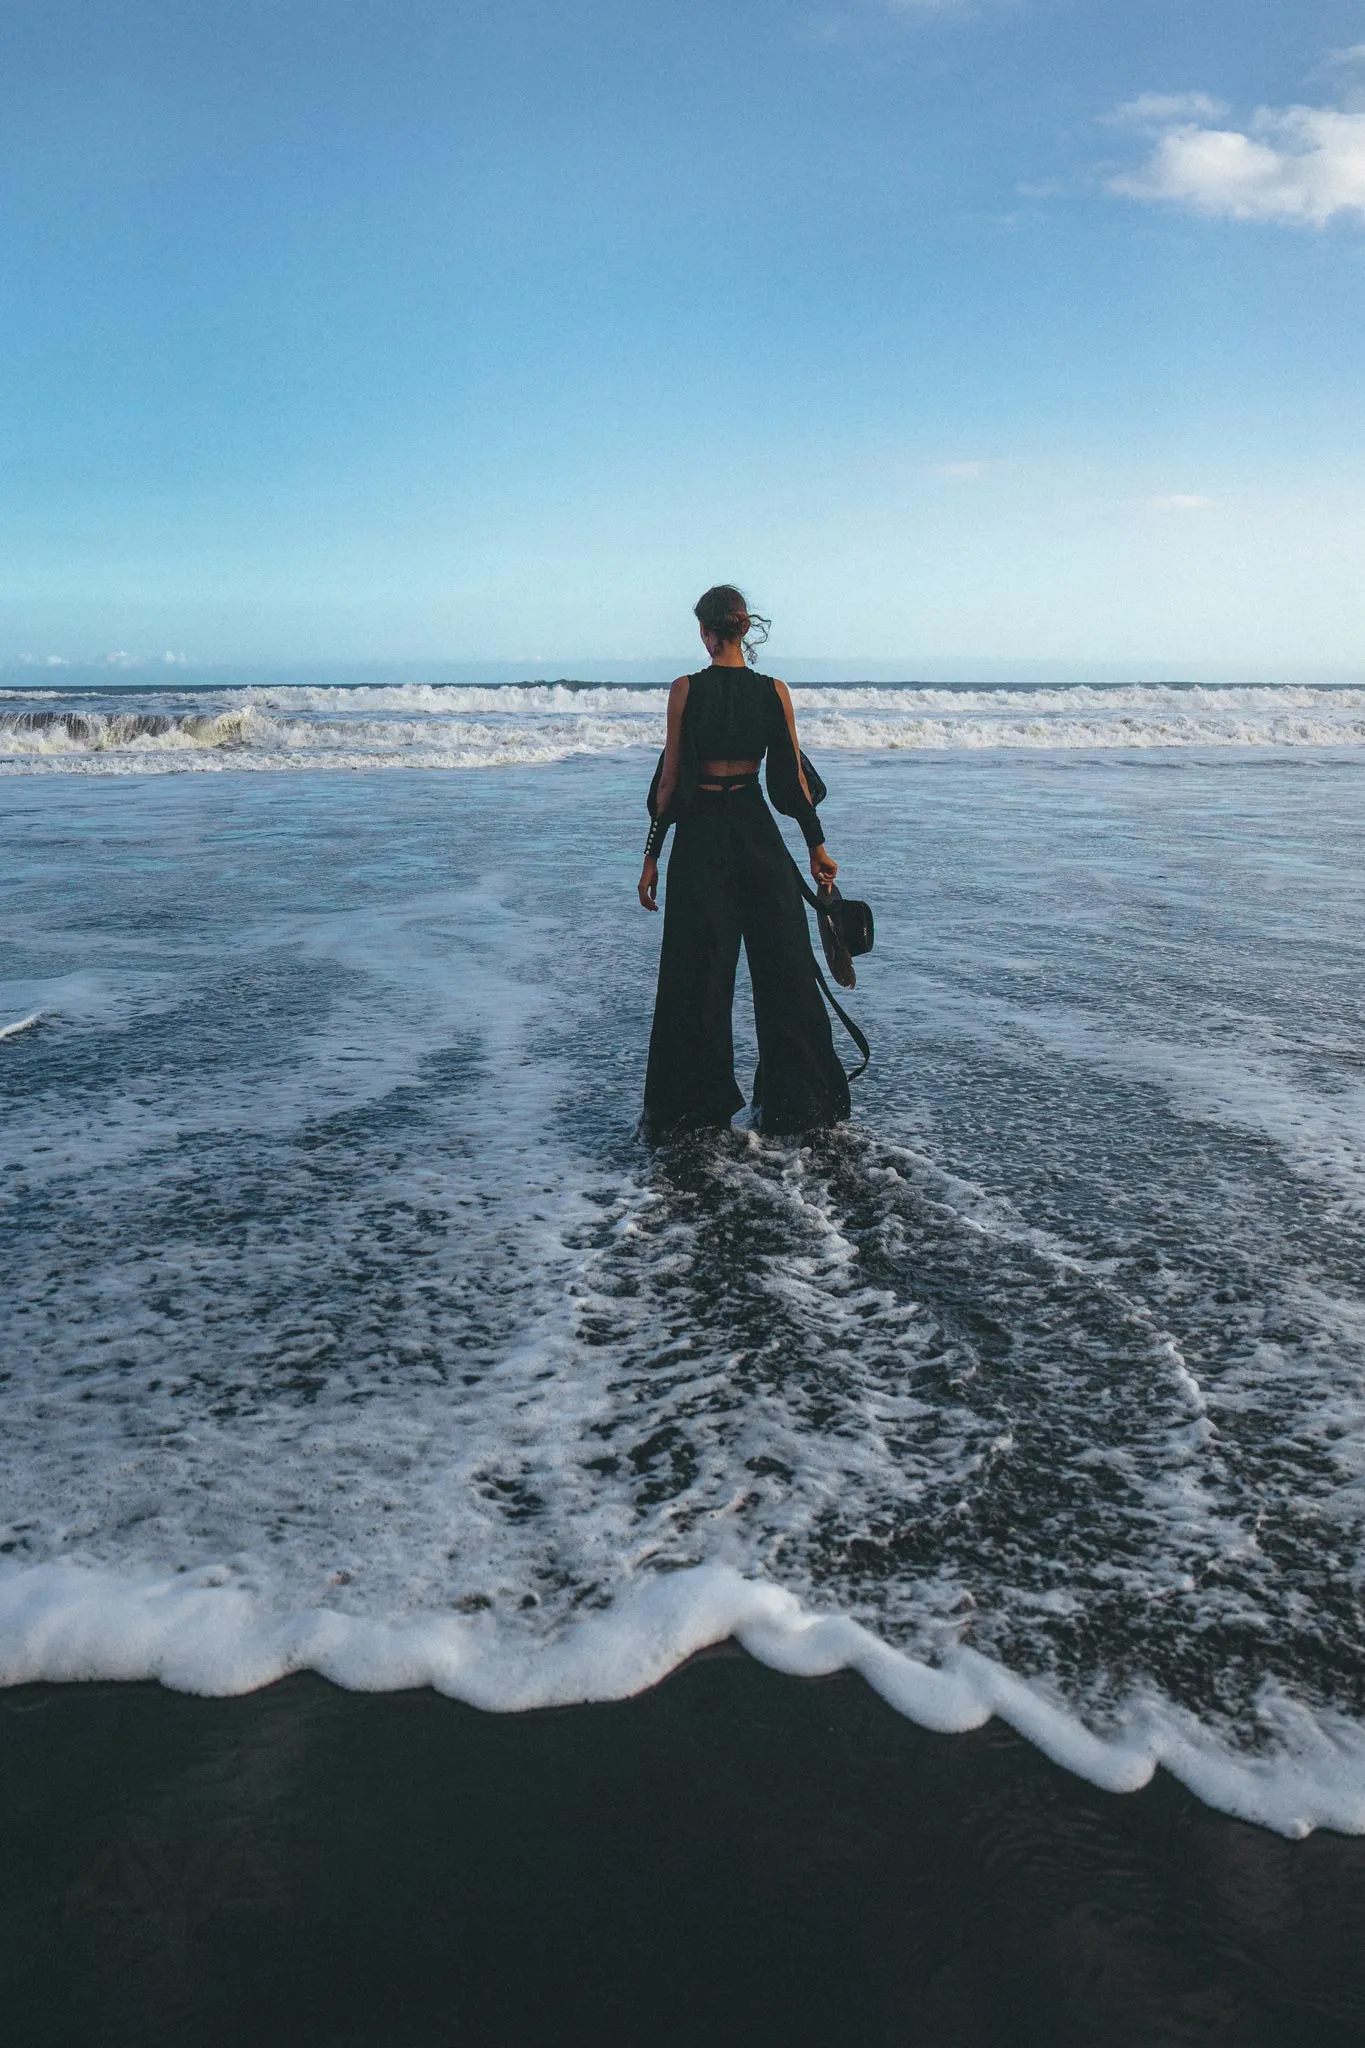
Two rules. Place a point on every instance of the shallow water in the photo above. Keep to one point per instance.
(351, 1327)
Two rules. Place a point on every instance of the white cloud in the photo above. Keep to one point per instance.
(1164, 109)
(43, 661)
(1181, 501)
(1354, 53)
(1304, 165)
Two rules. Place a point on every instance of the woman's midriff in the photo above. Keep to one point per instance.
(720, 772)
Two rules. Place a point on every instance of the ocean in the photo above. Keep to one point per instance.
(351, 1329)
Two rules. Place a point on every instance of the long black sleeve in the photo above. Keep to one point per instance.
(784, 779)
(682, 795)
(806, 815)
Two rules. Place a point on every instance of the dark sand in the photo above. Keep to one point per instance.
(733, 1857)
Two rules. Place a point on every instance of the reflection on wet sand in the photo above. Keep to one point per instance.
(733, 1857)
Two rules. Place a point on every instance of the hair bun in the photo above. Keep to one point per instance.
(724, 611)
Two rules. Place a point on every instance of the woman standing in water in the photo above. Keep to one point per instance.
(730, 878)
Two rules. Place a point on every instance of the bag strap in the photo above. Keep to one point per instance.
(840, 1012)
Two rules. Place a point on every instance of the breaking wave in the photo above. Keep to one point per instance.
(469, 726)
(60, 732)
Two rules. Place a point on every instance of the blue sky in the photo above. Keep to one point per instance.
(1011, 336)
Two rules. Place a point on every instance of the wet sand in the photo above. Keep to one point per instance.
(734, 1857)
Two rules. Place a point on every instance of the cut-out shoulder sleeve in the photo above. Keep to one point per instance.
(786, 783)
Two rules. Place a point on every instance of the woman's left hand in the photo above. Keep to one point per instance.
(649, 884)
(822, 867)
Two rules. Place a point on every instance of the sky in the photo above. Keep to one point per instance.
(973, 338)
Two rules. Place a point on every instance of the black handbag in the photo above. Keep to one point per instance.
(846, 928)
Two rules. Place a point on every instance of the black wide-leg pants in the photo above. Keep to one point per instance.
(730, 877)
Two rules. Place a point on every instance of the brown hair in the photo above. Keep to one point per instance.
(722, 610)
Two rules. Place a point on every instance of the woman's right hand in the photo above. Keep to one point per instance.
(649, 884)
(823, 869)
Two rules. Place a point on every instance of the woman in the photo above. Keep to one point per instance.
(731, 877)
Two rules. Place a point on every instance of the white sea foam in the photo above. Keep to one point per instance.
(201, 1632)
(1260, 1084)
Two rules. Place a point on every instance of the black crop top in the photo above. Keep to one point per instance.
(735, 714)
(731, 714)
